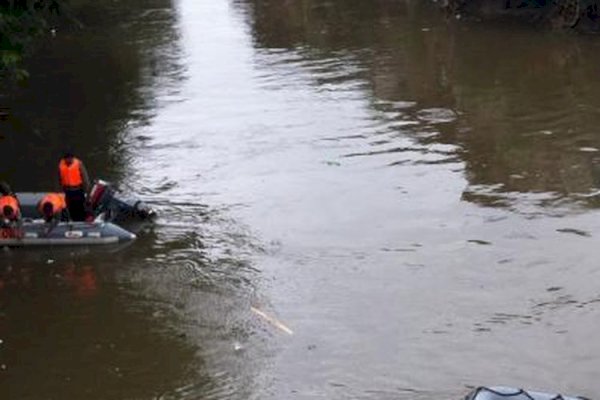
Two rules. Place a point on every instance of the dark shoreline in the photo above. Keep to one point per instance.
(576, 15)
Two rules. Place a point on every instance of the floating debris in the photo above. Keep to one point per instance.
(403, 104)
(588, 149)
(481, 242)
(578, 232)
(436, 115)
(273, 321)
(397, 250)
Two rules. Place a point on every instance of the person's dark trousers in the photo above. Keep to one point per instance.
(75, 199)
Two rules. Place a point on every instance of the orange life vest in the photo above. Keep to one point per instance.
(10, 200)
(70, 175)
(56, 199)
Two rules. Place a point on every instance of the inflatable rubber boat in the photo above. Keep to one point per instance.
(109, 209)
(103, 200)
(508, 393)
(37, 232)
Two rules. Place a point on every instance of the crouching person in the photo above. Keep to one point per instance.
(53, 207)
(10, 217)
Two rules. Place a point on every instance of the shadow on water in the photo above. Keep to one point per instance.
(52, 335)
(166, 317)
(69, 102)
(518, 122)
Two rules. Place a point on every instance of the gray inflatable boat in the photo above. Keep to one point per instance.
(109, 209)
(38, 233)
(508, 393)
(103, 200)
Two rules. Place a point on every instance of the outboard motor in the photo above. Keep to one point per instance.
(100, 193)
(104, 199)
(122, 209)
(144, 210)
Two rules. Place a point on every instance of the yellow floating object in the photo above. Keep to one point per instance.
(272, 321)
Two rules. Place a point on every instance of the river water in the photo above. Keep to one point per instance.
(358, 200)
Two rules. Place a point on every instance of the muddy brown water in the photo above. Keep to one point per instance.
(358, 200)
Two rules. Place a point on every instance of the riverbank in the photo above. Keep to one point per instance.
(22, 25)
(578, 15)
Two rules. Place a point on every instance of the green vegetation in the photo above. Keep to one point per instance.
(21, 23)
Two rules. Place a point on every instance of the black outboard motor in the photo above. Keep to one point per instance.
(104, 199)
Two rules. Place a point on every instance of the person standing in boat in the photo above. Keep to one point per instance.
(75, 184)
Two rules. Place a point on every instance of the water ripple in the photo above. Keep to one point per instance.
(436, 115)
